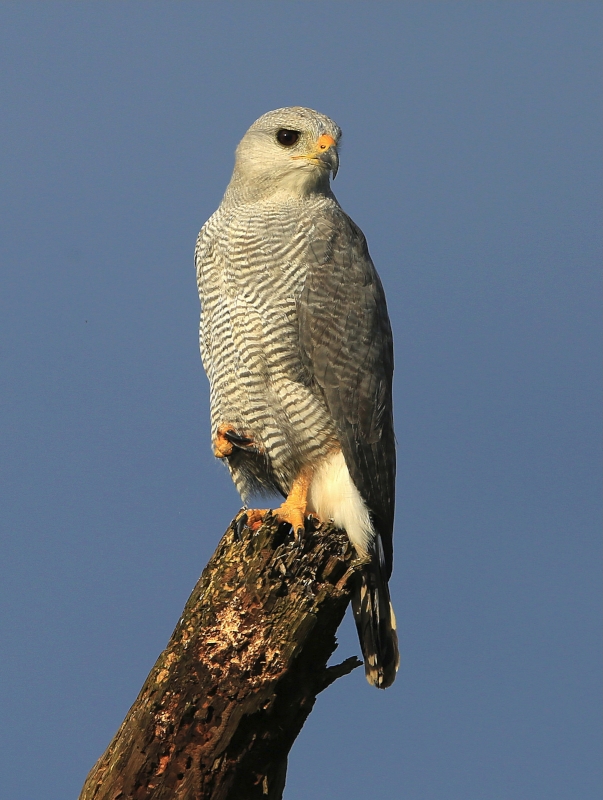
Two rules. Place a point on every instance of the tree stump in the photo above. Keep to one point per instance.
(222, 706)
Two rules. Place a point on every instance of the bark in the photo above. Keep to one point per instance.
(222, 706)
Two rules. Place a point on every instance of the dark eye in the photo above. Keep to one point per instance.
(286, 137)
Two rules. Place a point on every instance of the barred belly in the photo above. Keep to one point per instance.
(250, 348)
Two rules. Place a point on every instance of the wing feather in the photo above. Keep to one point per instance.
(347, 348)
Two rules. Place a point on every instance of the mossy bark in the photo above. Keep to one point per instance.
(222, 706)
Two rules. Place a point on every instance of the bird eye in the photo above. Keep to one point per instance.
(286, 137)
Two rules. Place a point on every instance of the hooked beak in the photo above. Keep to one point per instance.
(324, 153)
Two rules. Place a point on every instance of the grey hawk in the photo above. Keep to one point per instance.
(296, 342)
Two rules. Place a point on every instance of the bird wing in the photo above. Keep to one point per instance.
(347, 348)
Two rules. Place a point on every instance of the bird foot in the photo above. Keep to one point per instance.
(228, 438)
(253, 518)
(292, 514)
(296, 516)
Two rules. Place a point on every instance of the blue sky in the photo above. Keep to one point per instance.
(471, 159)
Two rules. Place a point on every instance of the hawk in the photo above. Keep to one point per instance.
(296, 342)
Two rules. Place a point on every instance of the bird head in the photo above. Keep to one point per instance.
(290, 150)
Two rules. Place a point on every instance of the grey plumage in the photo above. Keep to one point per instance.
(296, 343)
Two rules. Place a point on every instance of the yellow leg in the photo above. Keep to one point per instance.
(293, 510)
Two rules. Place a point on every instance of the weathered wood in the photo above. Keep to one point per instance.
(222, 706)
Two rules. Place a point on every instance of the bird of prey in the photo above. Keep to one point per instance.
(296, 342)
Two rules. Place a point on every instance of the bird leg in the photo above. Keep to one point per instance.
(228, 438)
(292, 511)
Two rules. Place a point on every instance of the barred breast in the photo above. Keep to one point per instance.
(252, 262)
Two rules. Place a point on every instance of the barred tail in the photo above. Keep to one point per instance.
(376, 624)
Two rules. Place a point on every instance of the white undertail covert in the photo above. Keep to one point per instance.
(333, 496)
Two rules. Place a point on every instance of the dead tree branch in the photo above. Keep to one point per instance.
(221, 708)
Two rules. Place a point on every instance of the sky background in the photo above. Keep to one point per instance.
(471, 159)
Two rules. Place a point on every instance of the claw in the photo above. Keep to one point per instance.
(239, 440)
(240, 523)
(314, 522)
(227, 438)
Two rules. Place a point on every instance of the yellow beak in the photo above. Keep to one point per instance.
(324, 153)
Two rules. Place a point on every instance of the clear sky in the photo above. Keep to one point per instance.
(471, 159)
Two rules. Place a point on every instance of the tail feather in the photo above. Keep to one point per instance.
(376, 624)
